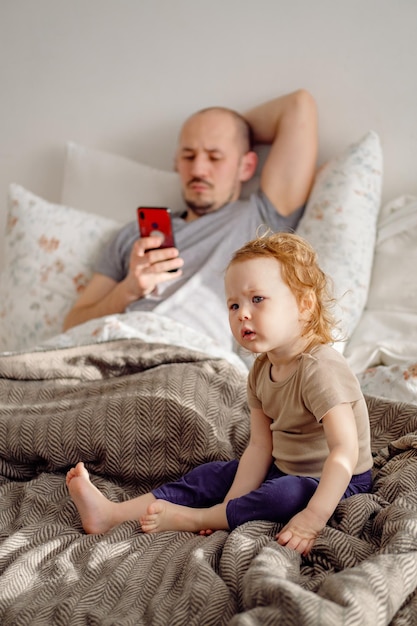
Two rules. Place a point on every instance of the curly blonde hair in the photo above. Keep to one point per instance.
(301, 272)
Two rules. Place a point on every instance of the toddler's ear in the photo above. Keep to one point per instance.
(308, 302)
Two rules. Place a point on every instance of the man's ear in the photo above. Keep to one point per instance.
(248, 166)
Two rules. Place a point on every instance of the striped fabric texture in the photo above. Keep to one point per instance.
(138, 415)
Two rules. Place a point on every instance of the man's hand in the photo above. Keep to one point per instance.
(150, 265)
(301, 531)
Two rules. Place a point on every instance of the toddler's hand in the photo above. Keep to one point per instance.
(301, 531)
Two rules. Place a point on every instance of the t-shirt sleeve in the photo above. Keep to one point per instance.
(327, 383)
(271, 216)
(113, 260)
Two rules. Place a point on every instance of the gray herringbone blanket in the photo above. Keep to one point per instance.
(139, 414)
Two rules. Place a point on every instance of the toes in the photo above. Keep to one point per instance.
(155, 508)
(147, 525)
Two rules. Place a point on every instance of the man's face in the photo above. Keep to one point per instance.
(210, 161)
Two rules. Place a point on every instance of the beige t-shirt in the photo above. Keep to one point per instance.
(296, 406)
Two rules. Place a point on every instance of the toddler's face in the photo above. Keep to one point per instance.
(263, 312)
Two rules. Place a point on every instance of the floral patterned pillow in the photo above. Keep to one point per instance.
(49, 251)
(340, 221)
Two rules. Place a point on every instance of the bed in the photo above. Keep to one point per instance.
(141, 399)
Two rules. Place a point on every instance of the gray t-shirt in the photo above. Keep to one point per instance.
(206, 244)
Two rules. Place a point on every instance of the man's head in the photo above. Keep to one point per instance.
(213, 158)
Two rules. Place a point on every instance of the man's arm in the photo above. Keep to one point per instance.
(102, 296)
(289, 124)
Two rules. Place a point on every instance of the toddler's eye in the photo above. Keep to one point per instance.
(234, 307)
(257, 299)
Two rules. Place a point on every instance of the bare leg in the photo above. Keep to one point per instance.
(162, 515)
(98, 514)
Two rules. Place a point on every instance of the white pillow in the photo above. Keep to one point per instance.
(387, 331)
(112, 185)
(49, 251)
(340, 222)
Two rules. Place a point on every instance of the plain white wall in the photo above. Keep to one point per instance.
(121, 75)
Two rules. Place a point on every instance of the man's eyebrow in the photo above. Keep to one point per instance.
(209, 150)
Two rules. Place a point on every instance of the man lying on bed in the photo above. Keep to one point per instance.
(214, 157)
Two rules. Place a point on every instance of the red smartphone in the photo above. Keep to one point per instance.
(156, 221)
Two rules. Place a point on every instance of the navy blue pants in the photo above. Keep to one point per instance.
(278, 498)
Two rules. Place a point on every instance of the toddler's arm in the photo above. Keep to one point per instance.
(342, 438)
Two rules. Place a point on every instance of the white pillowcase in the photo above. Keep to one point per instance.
(113, 185)
(340, 222)
(49, 252)
(387, 331)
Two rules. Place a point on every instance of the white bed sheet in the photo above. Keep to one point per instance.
(147, 326)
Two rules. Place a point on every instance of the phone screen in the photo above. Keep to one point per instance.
(156, 221)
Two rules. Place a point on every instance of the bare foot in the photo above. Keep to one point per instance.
(162, 515)
(95, 510)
